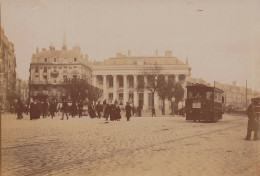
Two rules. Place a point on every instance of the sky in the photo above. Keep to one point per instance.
(220, 38)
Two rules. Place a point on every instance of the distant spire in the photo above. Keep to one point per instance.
(64, 44)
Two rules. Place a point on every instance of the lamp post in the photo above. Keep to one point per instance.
(173, 102)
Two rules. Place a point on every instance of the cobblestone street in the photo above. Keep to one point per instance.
(144, 146)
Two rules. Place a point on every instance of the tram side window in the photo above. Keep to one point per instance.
(209, 95)
(218, 96)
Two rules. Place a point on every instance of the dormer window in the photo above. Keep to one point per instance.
(55, 59)
(45, 59)
(75, 59)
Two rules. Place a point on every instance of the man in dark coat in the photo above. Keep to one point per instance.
(251, 126)
(64, 109)
(128, 110)
(118, 113)
(32, 110)
(39, 109)
(73, 109)
(91, 110)
(80, 108)
(153, 111)
(45, 108)
(107, 111)
(113, 112)
(53, 108)
(19, 109)
(99, 109)
(139, 110)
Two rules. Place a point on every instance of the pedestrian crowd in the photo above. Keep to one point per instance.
(109, 111)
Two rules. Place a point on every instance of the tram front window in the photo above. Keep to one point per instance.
(195, 95)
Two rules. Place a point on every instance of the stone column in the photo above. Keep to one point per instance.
(145, 95)
(135, 91)
(105, 87)
(94, 81)
(114, 88)
(176, 78)
(125, 90)
(166, 77)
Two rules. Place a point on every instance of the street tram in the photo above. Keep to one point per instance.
(204, 103)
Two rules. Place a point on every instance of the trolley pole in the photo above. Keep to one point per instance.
(246, 94)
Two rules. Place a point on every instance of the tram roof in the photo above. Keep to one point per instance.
(203, 86)
(256, 99)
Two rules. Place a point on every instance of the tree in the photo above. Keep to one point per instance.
(80, 89)
(150, 83)
(175, 91)
(163, 90)
(94, 93)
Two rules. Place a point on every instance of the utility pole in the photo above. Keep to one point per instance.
(246, 94)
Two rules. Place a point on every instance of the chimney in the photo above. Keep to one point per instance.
(129, 53)
(37, 50)
(168, 53)
(156, 53)
(86, 57)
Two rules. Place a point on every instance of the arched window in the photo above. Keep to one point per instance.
(45, 59)
(55, 60)
(75, 59)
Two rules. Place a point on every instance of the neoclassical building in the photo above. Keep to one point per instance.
(119, 76)
(51, 69)
(7, 71)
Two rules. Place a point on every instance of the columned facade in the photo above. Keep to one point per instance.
(124, 88)
(121, 77)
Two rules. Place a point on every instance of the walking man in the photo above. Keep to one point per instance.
(153, 111)
(45, 108)
(53, 107)
(64, 110)
(19, 109)
(252, 122)
(99, 109)
(32, 110)
(80, 108)
(128, 110)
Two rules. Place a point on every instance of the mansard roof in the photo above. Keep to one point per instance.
(58, 54)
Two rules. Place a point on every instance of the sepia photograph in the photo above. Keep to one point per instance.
(129, 87)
